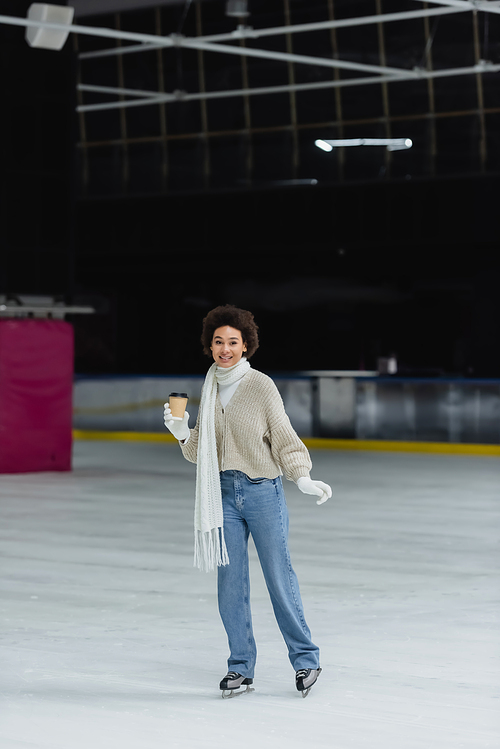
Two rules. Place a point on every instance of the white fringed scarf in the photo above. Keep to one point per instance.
(209, 545)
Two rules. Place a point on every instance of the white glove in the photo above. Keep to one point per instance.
(179, 429)
(317, 488)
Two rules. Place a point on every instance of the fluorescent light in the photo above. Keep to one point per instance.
(399, 144)
(392, 144)
(285, 182)
(324, 145)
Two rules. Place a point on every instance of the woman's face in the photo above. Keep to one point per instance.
(227, 346)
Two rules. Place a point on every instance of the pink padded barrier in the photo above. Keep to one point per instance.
(36, 385)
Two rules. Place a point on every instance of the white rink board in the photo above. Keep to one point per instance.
(136, 403)
(111, 640)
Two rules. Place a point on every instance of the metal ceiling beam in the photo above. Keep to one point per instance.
(114, 90)
(154, 98)
(488, 7)
(175, 40)
(249, 33)
(131, 48)
(131, 36)
(338, 23)
(290, 57)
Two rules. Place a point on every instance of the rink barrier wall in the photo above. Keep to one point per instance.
(317, 443)
(327, 405)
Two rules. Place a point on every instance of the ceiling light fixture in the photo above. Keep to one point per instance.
(237, 8)
(44, 38)
(392, 144)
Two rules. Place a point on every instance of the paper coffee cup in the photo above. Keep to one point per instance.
(178, 403)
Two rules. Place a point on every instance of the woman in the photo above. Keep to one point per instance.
(242, 444)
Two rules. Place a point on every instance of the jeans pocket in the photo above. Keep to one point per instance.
(260, 480)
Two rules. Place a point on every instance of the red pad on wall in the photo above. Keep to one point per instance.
(36, 388)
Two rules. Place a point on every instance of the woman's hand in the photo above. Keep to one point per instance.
(317, 488)
(179, 429)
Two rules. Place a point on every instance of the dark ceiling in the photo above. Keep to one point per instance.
(246, 141)
(97, 7)
(156, 213)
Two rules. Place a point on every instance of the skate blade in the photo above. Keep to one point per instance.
(306, 691)
(228, 694)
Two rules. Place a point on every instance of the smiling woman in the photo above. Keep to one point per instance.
(228, 322)
(227, 346)
(242, 443)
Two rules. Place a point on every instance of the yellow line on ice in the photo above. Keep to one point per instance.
(456, 448)
(85, 434)
(317, 443)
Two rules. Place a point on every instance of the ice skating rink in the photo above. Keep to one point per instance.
(112, 640)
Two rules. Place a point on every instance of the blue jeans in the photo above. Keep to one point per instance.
(258, 506)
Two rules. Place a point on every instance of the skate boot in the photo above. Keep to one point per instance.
(231, 684)
(305, 678)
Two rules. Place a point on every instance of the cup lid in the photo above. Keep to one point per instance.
(178, 395)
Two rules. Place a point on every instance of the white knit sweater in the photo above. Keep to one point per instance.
(254, 434)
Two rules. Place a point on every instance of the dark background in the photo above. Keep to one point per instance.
(156, 214)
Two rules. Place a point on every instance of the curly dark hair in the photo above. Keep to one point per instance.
(241, 319)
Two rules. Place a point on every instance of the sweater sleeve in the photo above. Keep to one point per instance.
(287, 448)
(190, 448)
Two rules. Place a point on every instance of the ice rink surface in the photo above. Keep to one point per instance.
(112, 640)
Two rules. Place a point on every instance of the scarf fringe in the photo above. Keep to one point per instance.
(210, 549)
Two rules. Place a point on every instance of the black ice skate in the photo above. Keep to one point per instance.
(231, 684)
(305, 678)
